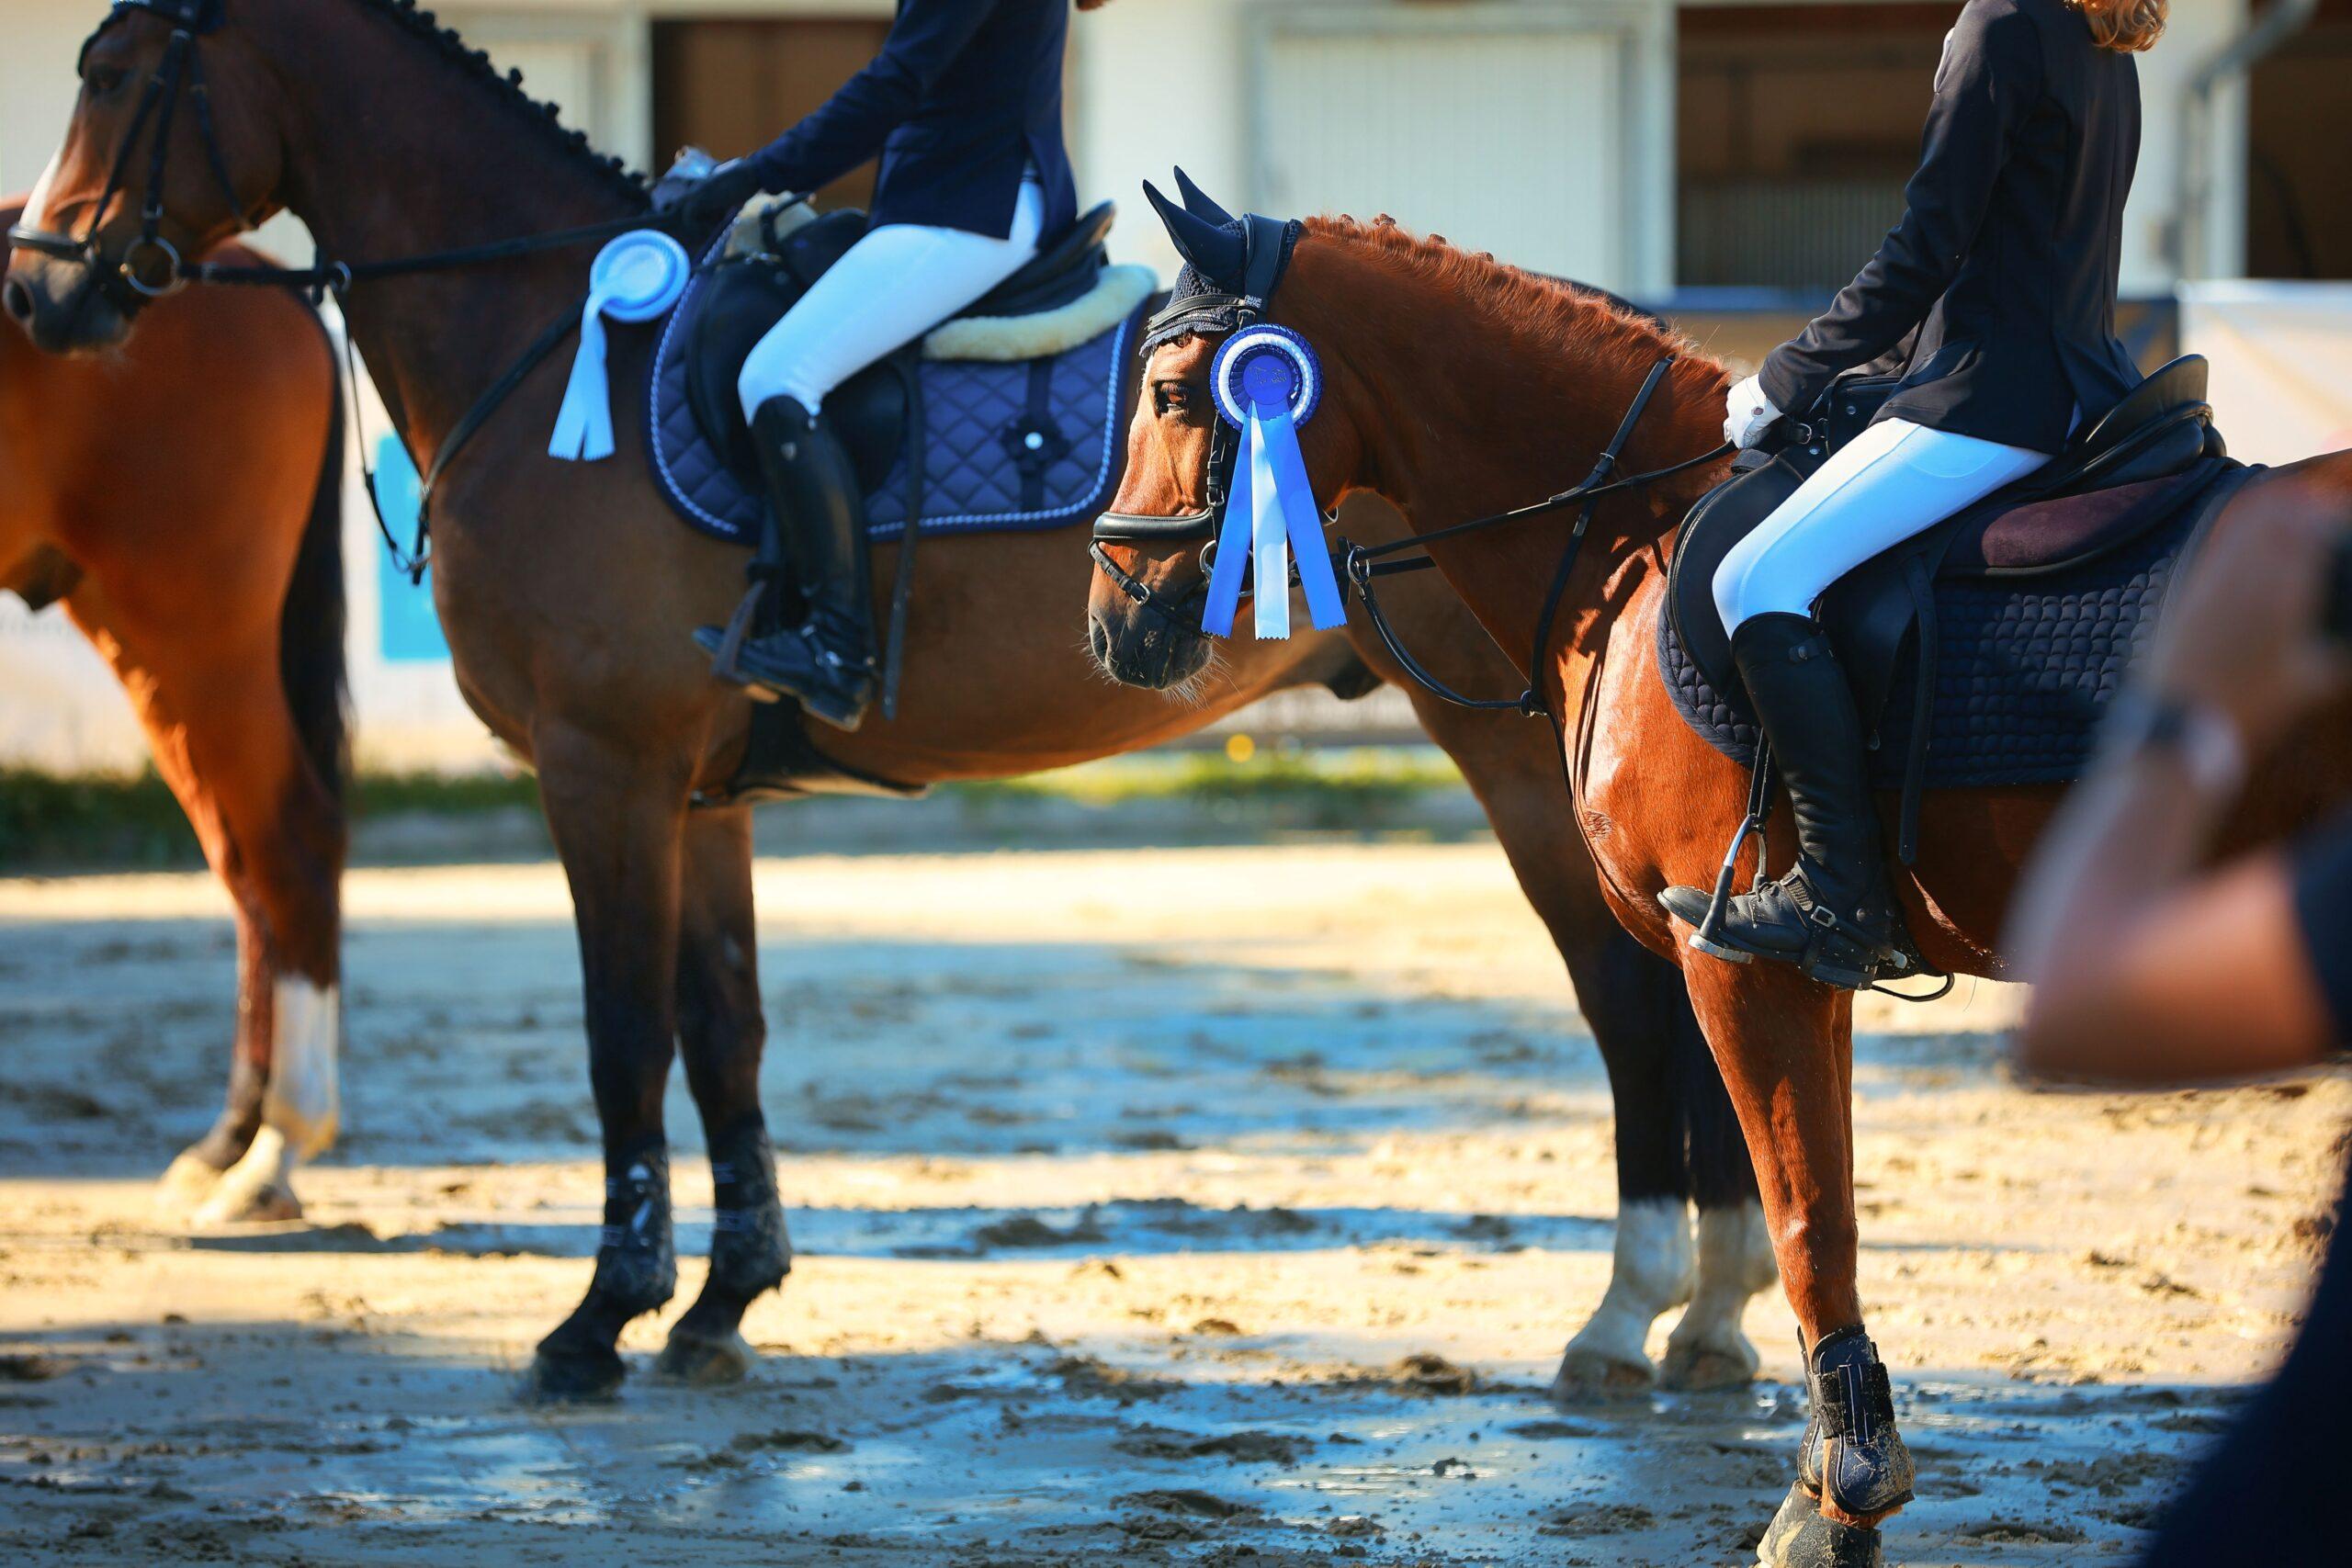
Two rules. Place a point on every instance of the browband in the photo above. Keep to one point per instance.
(198, 17)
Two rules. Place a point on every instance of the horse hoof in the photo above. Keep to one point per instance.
(1698, 1369)
(236, 1203)
(185, 1186)
(1800, 1538)
(706, 1360)
(1587, 1377)
(572, 1377)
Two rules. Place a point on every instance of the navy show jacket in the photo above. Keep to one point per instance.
(2008, 254)
(965, 96)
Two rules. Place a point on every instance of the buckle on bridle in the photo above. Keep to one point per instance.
(174, 274)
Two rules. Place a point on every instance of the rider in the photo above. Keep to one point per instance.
(2005, 264)
(964, 104)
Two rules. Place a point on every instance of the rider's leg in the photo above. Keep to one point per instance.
(894, 285)
(1893, 482)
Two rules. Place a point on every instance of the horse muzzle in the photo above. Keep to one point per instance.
(1137, 646)
(62, 306)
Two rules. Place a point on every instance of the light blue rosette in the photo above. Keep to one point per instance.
(1267, 382)
(636, 277)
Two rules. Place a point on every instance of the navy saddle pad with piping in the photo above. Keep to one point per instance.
(2028, 657)
(1006, 446)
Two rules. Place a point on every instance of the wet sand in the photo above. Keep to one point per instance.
(1218, 1205)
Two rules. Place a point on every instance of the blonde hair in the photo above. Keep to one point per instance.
(2128, 26)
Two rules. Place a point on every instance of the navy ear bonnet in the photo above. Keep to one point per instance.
(1232, 265)
(196, 16)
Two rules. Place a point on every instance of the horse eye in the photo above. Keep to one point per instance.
(104, 81)
(1174, 396)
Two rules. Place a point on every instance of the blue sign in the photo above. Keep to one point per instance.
(411, 631)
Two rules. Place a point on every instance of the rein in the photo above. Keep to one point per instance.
(180, 77)
(1365, 562)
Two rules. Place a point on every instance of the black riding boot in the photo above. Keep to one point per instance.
(1832, 914)
(816, 521)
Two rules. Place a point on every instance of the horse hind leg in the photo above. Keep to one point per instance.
(722, 1032)
(224, 741)
(1634, 1002)
(1709, 1348)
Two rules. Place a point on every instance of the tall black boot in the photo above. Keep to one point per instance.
(816, 521)
(1832, 915)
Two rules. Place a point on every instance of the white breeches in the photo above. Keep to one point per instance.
(892, 287)
(1895, 479)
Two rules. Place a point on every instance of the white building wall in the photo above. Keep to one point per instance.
(1153, 82)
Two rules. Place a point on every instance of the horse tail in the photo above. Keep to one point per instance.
(311, 624)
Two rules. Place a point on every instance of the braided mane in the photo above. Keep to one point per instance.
(476, 62)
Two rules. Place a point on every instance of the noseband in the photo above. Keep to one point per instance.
(178, 78)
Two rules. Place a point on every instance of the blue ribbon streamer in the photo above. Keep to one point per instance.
(583, 426)
(1271, 518)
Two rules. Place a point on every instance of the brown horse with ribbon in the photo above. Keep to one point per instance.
(453, 215)
(183, 502)
(1468, 393)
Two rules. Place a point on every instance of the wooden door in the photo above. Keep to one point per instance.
(731, 87)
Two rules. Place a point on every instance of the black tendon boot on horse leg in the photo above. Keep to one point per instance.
(1851, 1452)
(1831, 915)
(637, 1272)
(814, 516)
(751, 1253)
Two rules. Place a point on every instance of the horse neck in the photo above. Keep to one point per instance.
(393, 150)
(1465, 410)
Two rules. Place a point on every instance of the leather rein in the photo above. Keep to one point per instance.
(1267, 250)
(180, 79)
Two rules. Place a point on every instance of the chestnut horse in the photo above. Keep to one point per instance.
(567, 591)
(184, 502)
(1457, 387)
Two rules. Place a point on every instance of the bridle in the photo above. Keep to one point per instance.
(1266, 243)
(1267, 247)
(179, 79)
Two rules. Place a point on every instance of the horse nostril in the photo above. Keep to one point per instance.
(17, 299)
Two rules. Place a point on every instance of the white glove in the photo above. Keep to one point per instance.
(1748, 413)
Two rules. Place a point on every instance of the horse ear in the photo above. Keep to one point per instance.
(1197, 202)
(1215, 252)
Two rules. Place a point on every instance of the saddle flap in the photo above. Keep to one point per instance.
(1722, 517)
(740, 302)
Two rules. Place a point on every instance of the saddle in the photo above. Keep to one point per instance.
(772, 255)
(2153, 460)
(876, 410)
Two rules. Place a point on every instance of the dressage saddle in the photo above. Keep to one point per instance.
(2148, 463)
(746, 296)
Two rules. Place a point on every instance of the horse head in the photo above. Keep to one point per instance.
(169, 151)
(1155, 545)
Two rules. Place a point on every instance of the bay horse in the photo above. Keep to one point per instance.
(567, 592)
(1456, 387)
(182, 502)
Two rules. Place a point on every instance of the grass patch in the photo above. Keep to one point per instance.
(52, 822)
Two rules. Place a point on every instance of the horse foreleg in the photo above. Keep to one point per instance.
(617, 815)
(1784, 1045)
(224, 741)
(722, 1031)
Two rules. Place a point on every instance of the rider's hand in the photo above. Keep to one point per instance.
(719, 195)
(2244, 642)
(1748, 413)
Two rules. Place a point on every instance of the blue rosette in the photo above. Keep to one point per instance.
(1267, 383)
(636, 278)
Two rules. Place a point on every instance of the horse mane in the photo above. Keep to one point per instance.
(450, 45)
(1582, 320)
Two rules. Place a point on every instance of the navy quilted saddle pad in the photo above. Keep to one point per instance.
(983, 472)
(2026, 663)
